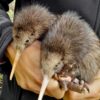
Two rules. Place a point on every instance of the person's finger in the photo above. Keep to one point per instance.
(55, 90)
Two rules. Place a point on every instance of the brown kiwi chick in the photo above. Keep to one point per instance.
(30, 24)
(71, 45)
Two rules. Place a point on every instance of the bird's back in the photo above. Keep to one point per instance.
(74, 38)
(72, 33)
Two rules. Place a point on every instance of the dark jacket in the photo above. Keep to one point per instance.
(88, 9)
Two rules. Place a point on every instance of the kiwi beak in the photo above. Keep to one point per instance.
(18, 54)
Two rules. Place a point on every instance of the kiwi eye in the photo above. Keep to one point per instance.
(17, 36)
(62, 59)
(32, 34)
(27, 41)
(57, 65)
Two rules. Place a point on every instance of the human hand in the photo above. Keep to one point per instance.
(93, 95)
(28, 74)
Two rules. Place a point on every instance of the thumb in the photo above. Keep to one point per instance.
(54, 89)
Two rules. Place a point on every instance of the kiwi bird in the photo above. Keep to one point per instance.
(72, 45)
(30, 24)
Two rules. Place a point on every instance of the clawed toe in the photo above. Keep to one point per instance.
(80, 85)
(73, 84)
(63, 81)
(86, 88)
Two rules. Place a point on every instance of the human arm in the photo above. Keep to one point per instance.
(5, 30)
(5, 26)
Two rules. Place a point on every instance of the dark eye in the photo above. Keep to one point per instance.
(62, 59)
(56, 65)
(16, 36)
(27, 41)
(32, 34)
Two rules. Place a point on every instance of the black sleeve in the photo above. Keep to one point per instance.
(4, 4)
(5, 28)
(97, 23)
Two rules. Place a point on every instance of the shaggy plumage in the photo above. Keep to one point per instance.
(30, 24)
(71, 45)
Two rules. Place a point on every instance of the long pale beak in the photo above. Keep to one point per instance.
(43, 87)
(18, 54)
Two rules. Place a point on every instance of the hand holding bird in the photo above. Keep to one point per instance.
(28, 74)
(30, 81)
